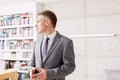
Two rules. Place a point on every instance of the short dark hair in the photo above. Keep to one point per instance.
(51, 15)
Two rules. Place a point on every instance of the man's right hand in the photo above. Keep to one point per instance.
(32, 72)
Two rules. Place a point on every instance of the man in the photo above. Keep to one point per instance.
(53, 56)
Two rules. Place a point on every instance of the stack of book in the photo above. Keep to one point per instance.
(20, 44)
(16, 19)
(4, 33)
(26, 32)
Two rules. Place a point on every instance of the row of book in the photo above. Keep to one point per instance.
(20, 44)
(16, 19)
(16, 55)
(16, 64)
(26, 32)
(17, 44)
(23, 32)
(4, 33)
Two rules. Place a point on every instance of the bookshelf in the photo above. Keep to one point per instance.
(17, 34)
(16, 39)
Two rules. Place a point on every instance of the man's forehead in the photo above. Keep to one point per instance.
(42, 17)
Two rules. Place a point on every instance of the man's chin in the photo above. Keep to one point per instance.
(40, 32)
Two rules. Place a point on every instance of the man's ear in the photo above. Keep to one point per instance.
(47, 22)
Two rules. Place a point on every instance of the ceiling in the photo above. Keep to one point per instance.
(3, 2)
(47, 1)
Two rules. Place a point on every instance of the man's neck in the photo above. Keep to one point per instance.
(49, 32)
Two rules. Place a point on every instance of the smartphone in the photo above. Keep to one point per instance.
(37, 71)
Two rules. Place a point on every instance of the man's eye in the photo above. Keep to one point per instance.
(38, 21)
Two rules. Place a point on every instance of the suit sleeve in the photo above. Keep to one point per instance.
(68, 66)
(32, 61)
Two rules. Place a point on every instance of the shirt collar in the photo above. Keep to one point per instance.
(51, 36)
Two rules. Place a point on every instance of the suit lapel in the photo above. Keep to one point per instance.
(54, 44)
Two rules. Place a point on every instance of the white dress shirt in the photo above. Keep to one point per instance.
(51, 38)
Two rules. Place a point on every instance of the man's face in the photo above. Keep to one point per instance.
(41, 24)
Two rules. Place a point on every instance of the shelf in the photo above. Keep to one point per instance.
(16, 50)
(13, 59)
(22, 71)
(16, 41)
(16, 26)
(17, 38)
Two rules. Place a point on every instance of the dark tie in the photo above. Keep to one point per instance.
(44, 49)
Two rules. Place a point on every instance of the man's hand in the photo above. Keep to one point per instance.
(32, 72)
(38, 76)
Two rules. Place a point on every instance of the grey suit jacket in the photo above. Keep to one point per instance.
(60, 60)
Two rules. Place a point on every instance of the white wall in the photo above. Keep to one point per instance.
(17, 8)
(102, 53)
(93, 55)
(71, 21)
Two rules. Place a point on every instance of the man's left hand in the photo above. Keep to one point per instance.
(41, 75)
